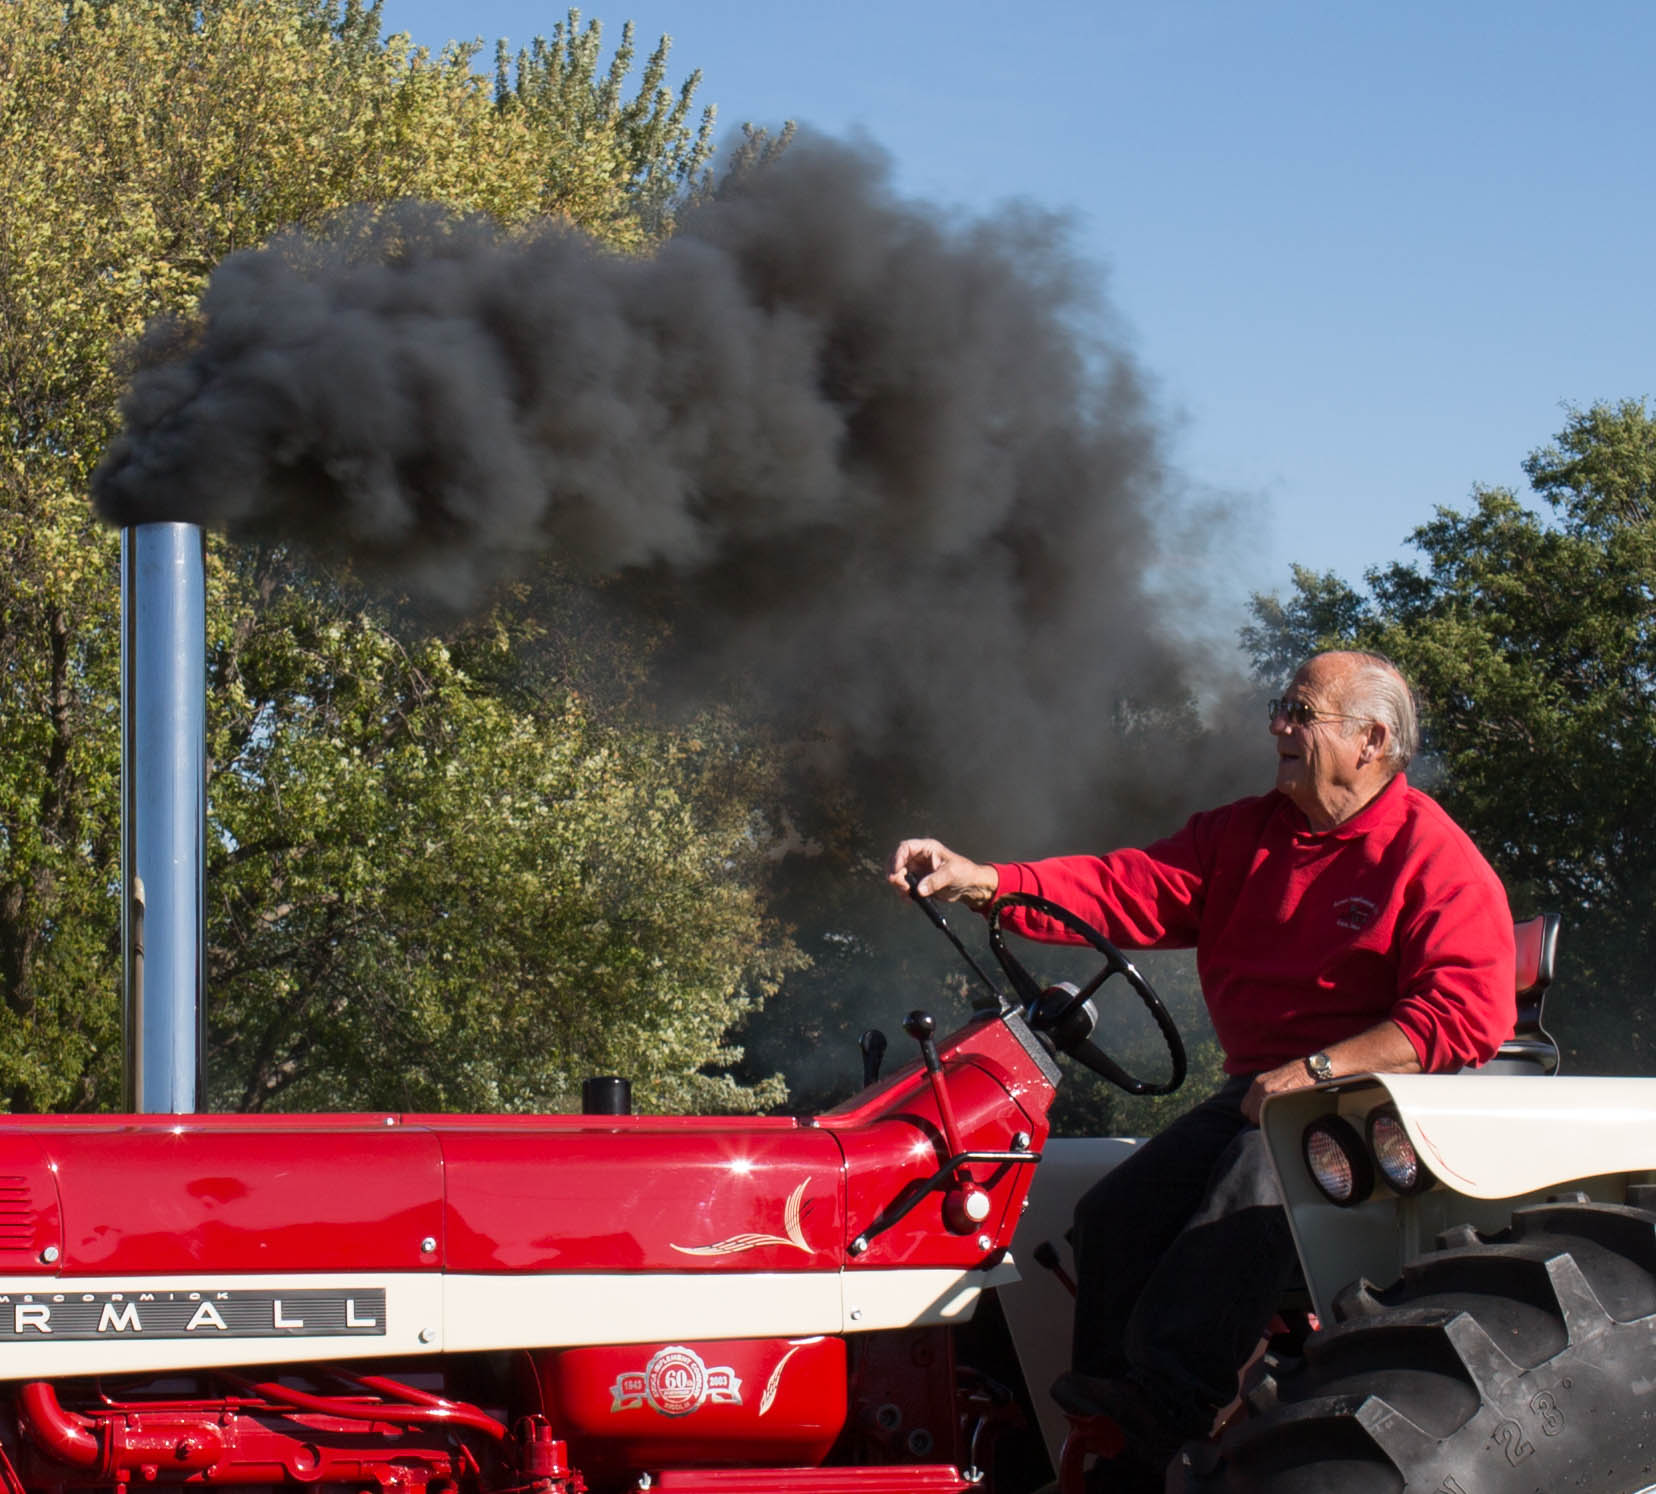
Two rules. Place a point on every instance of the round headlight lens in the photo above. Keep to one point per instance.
(1336, 1159)
(1395, 1154)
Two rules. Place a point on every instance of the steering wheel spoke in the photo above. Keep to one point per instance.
(1088, 991)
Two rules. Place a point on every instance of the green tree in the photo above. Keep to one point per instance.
(1321, 612)
(439, 877)
(1531, 640)
(427, 896)
(621, 164)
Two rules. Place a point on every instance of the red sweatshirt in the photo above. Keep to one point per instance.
(1304, 937)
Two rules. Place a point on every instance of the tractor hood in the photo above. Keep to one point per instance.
(141, 1243)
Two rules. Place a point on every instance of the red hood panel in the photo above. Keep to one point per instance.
(223, 1194)
(208, 1195)
(738, 1199)
(182, 1199)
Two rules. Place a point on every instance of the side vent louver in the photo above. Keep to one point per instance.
(17, 1214)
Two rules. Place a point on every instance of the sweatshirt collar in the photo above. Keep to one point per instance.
(1384, 809)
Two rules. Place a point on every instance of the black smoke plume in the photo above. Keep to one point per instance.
(889, 474)
(886, 467)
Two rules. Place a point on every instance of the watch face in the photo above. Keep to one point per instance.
(1320, 1067)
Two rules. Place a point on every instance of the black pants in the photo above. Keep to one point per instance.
(1182, 1254)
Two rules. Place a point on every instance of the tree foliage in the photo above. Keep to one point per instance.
(438, 877)
(621, 164)
(1322, 611)
(429, 896)
(1531, 639)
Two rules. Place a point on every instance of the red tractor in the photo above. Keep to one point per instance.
(547, 1303)
(552, 1304)
(709, 1305)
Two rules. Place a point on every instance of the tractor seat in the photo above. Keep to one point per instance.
(1530, 1049)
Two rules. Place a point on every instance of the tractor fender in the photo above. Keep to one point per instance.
(1494, 1144)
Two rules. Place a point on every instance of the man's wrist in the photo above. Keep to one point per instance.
(978, 896)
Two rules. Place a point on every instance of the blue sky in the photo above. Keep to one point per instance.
(1366, 253)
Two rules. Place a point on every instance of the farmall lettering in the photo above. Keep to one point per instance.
(676, 1382)
(185, 1314)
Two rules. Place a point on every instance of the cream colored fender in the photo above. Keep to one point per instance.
(1494, 1142)
(1038, 1307)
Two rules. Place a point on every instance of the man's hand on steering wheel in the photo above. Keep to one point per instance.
(1066, 1017)
(943, 874)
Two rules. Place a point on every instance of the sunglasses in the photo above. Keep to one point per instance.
(1298, 713)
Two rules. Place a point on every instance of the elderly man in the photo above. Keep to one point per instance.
(1342, 923)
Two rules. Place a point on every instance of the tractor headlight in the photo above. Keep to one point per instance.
(1395, 1154)
(1337, 1161)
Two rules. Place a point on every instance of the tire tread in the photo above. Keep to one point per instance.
(1501, 1364)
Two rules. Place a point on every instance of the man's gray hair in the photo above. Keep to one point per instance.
(1377, 690)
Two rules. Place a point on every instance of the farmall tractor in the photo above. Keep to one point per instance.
(446, 1304)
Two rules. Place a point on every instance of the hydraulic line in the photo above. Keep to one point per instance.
(419, 1408)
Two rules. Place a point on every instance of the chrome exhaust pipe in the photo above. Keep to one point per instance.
(163, 816)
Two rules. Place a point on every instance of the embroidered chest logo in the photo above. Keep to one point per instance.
(1354, 912)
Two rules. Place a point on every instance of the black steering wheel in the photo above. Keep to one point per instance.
(1067, 1015)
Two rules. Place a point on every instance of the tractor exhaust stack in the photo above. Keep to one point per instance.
(163, 815)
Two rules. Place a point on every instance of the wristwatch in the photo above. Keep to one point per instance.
(1319, 1068)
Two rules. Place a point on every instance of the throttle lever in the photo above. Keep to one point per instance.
(920, 1026)
(965, 1205)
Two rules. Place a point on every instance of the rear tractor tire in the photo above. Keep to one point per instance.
(1518, 1363)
